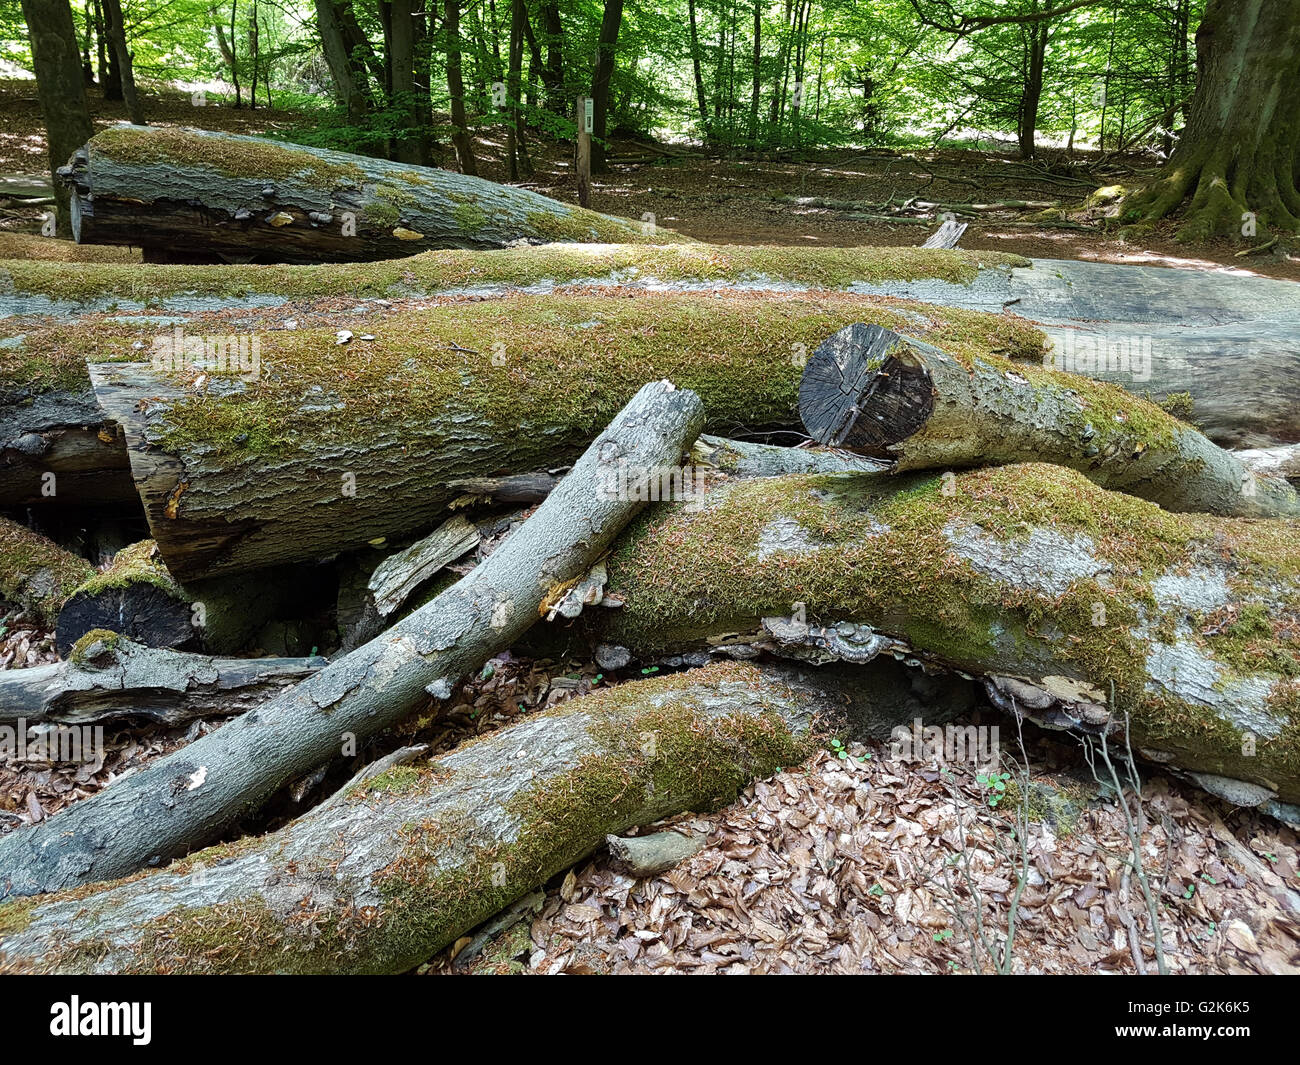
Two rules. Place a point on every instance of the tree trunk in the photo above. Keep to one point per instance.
(117, 41)
(186, 799)
(606, 46)
(456, 89)
(113, 678)
(1237, 156)
(875, 392)
(59, 86)
(1037, 34)
(36, 573)
(411, 142)
(350, 93)
(158, 189)
(412, 865)
(700, 99)
(1026, 571)
(247, 480)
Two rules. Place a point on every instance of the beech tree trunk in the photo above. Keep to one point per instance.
(187, 798)
(59, 87)
(419, 853)
(1236, 161)
(349, 90)
(1027, 572)
(116, 30)
(160, 189)
(456, 90)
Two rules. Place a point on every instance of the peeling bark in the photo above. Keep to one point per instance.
(113, 677)
(187, 798)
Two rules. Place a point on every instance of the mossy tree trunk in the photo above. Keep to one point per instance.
(1237, 157)
(37, 573)
(200, 195)
(188, 798)
(413, 853)
(1027, 572)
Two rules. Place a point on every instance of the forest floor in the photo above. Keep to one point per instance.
(843, 864)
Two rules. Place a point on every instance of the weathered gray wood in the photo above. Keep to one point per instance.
(947, 235)
(745, 458)
(1283, 461)
(871, 390)
(397, 577)
(185, 799)
(1025, 571)
(187, 193)
(400, 863)
(114, 677)
(653, 854)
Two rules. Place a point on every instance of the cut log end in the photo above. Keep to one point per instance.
(861, 391)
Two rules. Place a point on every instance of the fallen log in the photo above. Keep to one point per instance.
(402, 862)
(36, 573)
(197, 193)
(887, 396)
(1024, 571)
(334, 445)
(109, 677)
(187, 798)
(135, 597)
(1272, 461)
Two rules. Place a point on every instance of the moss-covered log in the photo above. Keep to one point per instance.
(36, 573)
(327, 446)
(189, 797)
(401, 862)
(108, 676)
(887, 396)
(196, 194)
(1024, 571)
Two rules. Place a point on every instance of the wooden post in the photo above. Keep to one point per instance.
(584, 118)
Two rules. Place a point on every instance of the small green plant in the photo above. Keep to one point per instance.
(943, 936)
(995, 783)
(840, 751)
(1191, 890)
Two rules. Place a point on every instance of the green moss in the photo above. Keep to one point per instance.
(396, 780)
(470, 217)
(37, 573)
(244, 157)
(819, 268)
(16, 916)
(557, 365)
(96, 641)
(137, 564)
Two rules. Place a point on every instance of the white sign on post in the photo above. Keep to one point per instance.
(588, 115)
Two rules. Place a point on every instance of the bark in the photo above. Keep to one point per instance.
(701, 99)
(1236, 158)
(381, 452)
(36, 573)
(881, 394)
(186, 799)
(460, 137)
(349, 90)
(418, 853)
(59, 87)
(1027, 574)
(116, 30)
(116, 678)
(606, 44)
(653, 854)
(411, 144)
(159, 190)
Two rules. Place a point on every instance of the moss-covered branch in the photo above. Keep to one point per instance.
(398, 864)
(1027, 571)
(889, 396)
